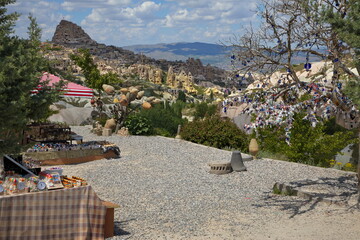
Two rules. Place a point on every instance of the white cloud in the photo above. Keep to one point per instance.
(138, 14)
(78, 5)
(45, 13)
(126, 22)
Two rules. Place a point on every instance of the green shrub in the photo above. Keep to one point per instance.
(181, 96)
(162, 132)
(308, 145)
(215, 132)
(138, 125)
(166, 118)
(203, 109)
(312, 145)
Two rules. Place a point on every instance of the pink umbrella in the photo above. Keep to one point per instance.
(70, 89)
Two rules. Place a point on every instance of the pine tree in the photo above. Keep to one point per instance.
(21, 66)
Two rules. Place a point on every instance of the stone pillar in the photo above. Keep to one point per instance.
(178, 132)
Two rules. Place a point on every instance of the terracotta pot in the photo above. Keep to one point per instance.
(124, 90)
(110, 123)
(146, 105)
(123, 100)
(108, 89)
(253, 148)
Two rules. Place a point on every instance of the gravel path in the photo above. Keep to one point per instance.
(165, 192)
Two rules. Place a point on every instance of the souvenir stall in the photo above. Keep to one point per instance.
(54, 146)
(53, 205)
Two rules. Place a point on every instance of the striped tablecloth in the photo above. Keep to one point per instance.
(75, 213)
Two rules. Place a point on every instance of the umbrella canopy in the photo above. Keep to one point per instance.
(70, 89)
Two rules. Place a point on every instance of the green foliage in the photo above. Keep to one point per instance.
(200, 90)
(89, 68)
(215, 132)
(352, 90)
(204, 109)
(7, 21)
(93, 77)
(139, 125)
(165, 118)
(271, 139)
(346, 25)
(21, 65)
(181, 96)
(308, 145)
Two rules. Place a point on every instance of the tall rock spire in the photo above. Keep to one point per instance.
(68, 33)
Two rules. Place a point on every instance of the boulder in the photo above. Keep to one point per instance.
(140, 94)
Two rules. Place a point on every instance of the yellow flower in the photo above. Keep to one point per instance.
(348, 165)
(339, 163)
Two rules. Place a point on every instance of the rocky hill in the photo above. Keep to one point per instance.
(70, 35)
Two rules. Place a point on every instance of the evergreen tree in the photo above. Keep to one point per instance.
(93, 77)
(344, 18)
(20, 69)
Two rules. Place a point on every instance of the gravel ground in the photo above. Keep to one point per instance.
(165, 192)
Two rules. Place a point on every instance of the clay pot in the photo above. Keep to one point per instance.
(134, 91)
(123, 100)
(146, 105)
(124, 90)
(110, 123)
(253, 148)
(108, 89)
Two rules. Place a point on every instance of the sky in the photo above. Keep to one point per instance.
(126, 22)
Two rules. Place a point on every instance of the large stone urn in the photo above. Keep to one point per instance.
(253, 148)
(110, 123)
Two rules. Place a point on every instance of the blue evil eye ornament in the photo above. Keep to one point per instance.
(307, 66)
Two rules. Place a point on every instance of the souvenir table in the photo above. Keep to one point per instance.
(74, 213)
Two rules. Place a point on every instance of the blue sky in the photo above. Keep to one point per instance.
(126, 22)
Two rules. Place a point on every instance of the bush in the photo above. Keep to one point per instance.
(166, 118)
(203, 109)
(308, 145)
(138, 125)
(215, 132)
(312, 145)
(181, 96)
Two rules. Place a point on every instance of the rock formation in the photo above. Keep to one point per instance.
(68, 33)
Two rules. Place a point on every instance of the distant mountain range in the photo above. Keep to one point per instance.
(213, 54)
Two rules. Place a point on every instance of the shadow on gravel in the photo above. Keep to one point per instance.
(292, 205)
(342, 191)
(119, 228)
